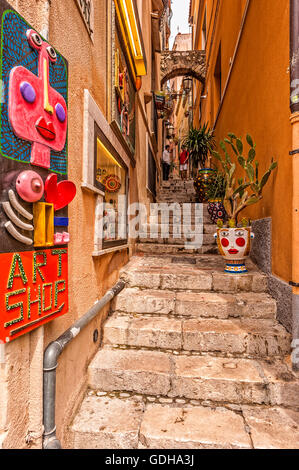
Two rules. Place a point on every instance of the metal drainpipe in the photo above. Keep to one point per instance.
(294, 106)
(44, 29)
(52, 352)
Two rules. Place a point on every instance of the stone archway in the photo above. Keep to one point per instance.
(175, 63)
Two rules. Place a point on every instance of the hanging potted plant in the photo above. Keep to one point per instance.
(234, 240)
(200, 143)
(215, 195)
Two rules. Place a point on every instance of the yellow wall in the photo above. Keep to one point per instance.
(257, 102)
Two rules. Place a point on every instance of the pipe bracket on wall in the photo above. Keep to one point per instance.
(294, 284)
(293, 152)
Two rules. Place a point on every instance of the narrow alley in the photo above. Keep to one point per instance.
(191, 357)
(149, 227)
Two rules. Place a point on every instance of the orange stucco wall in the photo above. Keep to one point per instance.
(256, 101)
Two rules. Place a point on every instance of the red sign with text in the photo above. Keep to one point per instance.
(33, 290)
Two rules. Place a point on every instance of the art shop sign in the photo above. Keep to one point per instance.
(33, 289)
(34, 190)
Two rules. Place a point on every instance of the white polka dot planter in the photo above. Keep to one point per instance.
(234, 246)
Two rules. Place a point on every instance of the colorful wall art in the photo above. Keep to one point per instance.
(34, 190)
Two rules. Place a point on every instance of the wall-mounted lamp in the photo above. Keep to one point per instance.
(187, 84)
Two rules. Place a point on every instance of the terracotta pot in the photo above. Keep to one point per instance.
(234, 246)
(216, 210)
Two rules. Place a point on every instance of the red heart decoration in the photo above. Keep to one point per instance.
(60, 194)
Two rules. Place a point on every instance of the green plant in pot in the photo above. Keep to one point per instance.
(215, 194)
(200, 142)
(234, 239)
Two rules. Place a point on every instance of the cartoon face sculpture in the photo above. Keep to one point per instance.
(234, 243)
(37, 112)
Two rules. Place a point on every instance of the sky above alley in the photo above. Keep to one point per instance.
(179, 21)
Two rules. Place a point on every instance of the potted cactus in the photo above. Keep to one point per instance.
(234, 239)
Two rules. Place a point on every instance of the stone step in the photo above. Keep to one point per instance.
(216, 379)
(179, 218)
(197, 238)
(243, 337)
(177, 183)
(179, 228)
(105, 423)
(195, 305)
(218, 305)
(199, 428)
(179, 277)
(197, 220)
(129, 423)
(217, 428)
(163, 248)
(182, 185)
(233, 337)
(182, 199)
(187, 205)
(177, 196)
(177, 191)
(171, 200)
(175, 276)
(170, 206)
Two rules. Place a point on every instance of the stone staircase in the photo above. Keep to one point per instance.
(180, 239)
(176, 190)
(191, 357)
